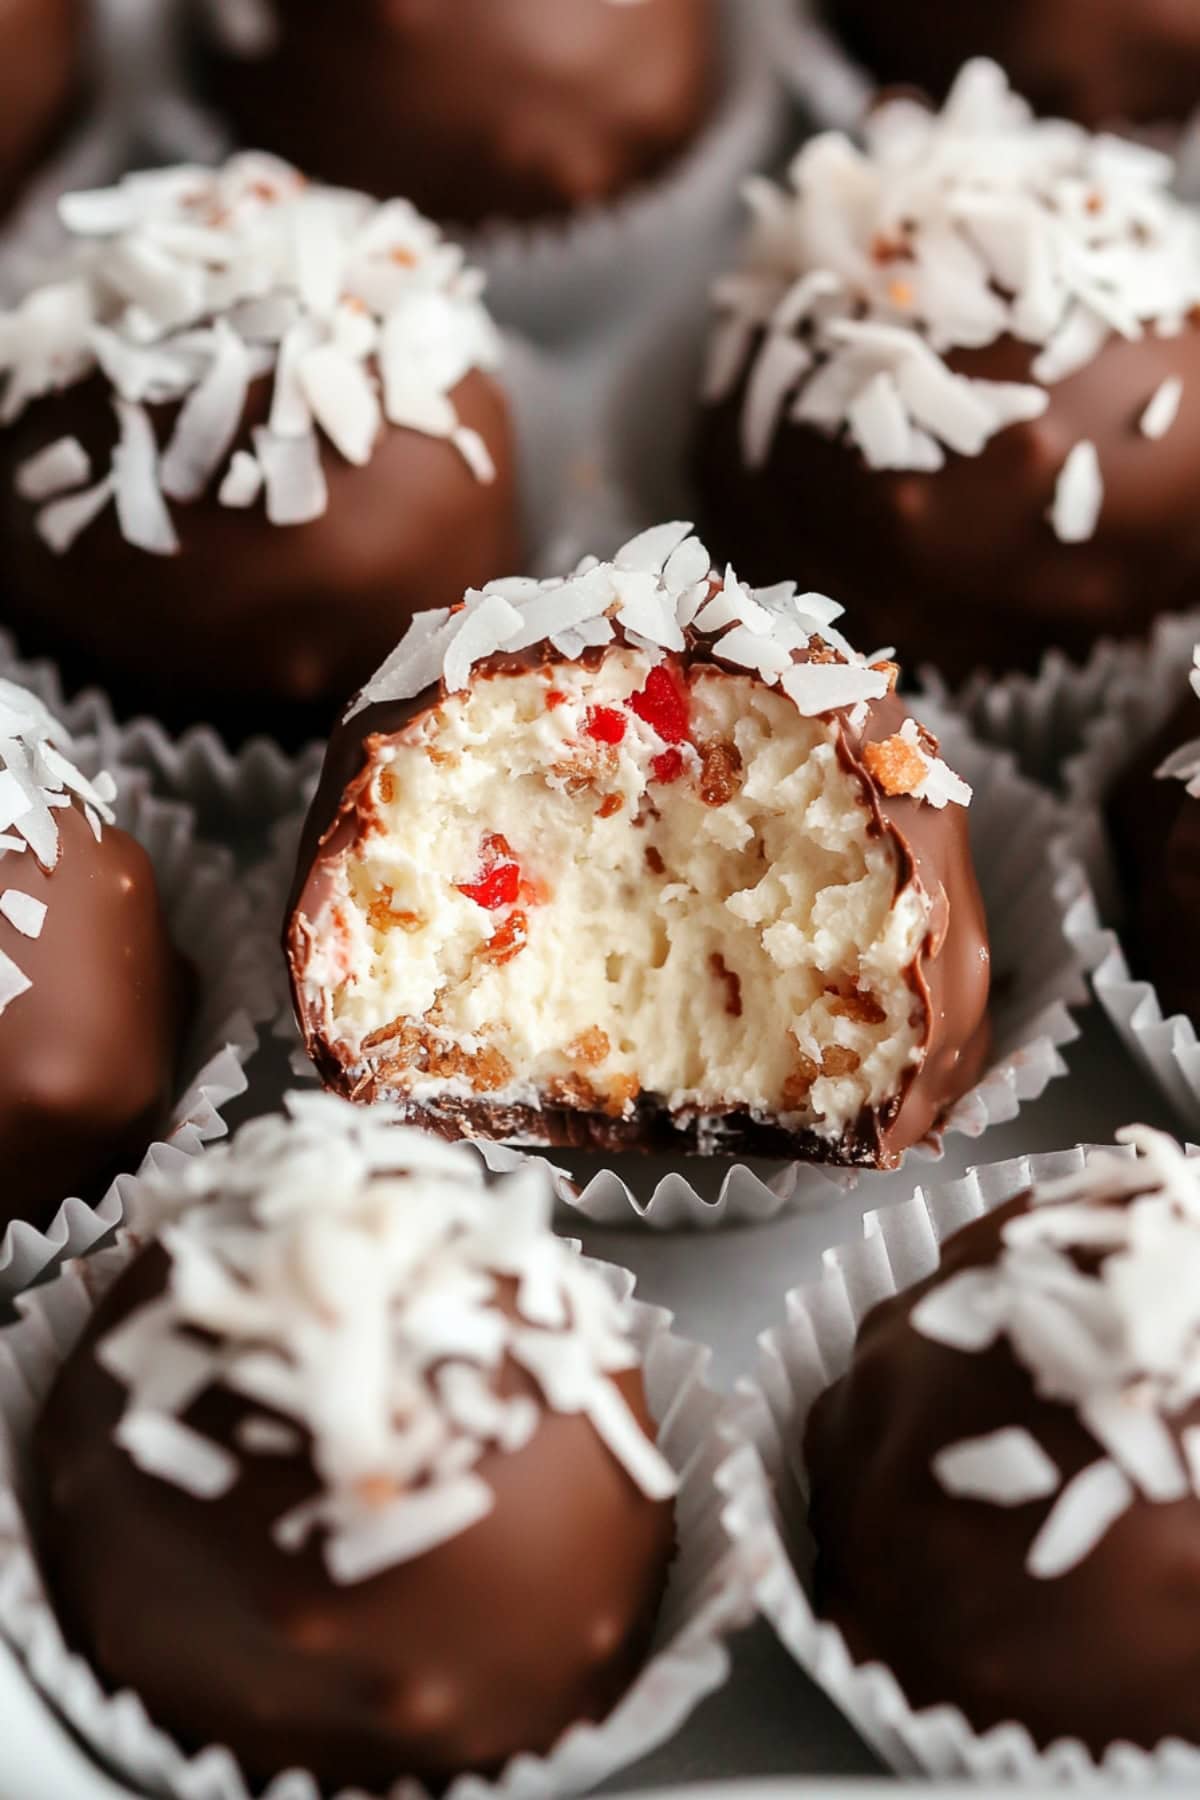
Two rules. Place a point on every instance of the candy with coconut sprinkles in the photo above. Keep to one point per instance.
(358, 1396)
(950, 376)
(640, 771)
(1017, 1442)
(92, 996)
(1153, 816)
(559, 107)
(203, 408)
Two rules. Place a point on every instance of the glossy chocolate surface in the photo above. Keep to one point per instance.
(961, 567)
(936, 1586)
(495, 1642)
(88, 1052)
(252, 626)
(950, 980)
(1102, 62)
(480, 109)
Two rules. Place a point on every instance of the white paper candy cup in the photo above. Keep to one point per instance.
(708, 1593)
(1145, 686)
(767, 1515)
(1038, 901)
(209, 922)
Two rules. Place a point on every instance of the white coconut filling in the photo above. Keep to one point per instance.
(732, 938)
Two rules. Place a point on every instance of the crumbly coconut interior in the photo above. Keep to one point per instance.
(706, 924)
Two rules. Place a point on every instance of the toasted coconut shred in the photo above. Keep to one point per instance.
(37, 777)
(349, 1277)
(554, 860)
(183, 286)
(1097, 1289)
(947, 231)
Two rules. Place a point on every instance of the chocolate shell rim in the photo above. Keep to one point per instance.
(676, 1677)
(797, 1362)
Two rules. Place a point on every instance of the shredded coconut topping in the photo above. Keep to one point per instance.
(37, 777)
(184, 285)
(1184, 764)
(350, 1276)
(1097, 1288)
(948, 231)
(658, 587)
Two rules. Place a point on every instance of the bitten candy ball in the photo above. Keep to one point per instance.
(515, 109)
(253, 427)
(93, 997)
(956, 380)
(1103, 62)
(371, 1448)
(641, 859)
(1004, 1491)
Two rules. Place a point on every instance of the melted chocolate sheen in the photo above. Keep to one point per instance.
(535, 1618)
(88, 1052)
(1098, 61)
(951, 979)
(1155, 830)
(961, 567)
(936, 1587)
(257, 627)
(483, 108)
(41, 44)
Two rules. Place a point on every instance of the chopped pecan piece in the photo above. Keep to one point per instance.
(590, 1048)
(720, 773)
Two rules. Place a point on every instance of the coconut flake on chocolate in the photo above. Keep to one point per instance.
(348, 1275)
(1097, 1289)
(37, 778)
(184, 285)
(945, 232)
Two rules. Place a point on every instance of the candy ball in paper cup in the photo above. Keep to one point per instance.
(130, 999)
(979, 461)
(435, 1495)
(267, 418)
(976, 1513)
(1135, 819)
(643, 861)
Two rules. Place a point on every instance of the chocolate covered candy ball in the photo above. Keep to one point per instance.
(641, 860)
(93, 999)
(955, 381)
(1002, 1486)
(487, 108)
(264, 428)
(1103, 62)
(372, 1449)
(41, 46)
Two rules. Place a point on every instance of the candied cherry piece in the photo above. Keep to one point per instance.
(605, 724)
(668, 767)
(509, 940)
(499, 881)
(663, 706)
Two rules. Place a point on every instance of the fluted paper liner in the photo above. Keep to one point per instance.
(1144, 687)
(766, 1516)
(1036, 893)
(708, 1593)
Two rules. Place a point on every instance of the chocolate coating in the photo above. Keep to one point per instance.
(495, 1642)
(88, 1052)
(254, 626)
(951, 979)
(487, 108)
(1099, 61)
(1155, 831)
(961, 567)
(41, 44)
(936, 1587)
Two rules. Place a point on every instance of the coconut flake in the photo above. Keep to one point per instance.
(1078, 495)
(61, 465)
(61, 522)
(23, 911)
(141, 510)
(816, 688)
(13, 982)
(292, 475)
(1163, 408)
(209, 419)
(243, 481)
(160, 1445)
(1007, 1468)
(1085, 1510)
